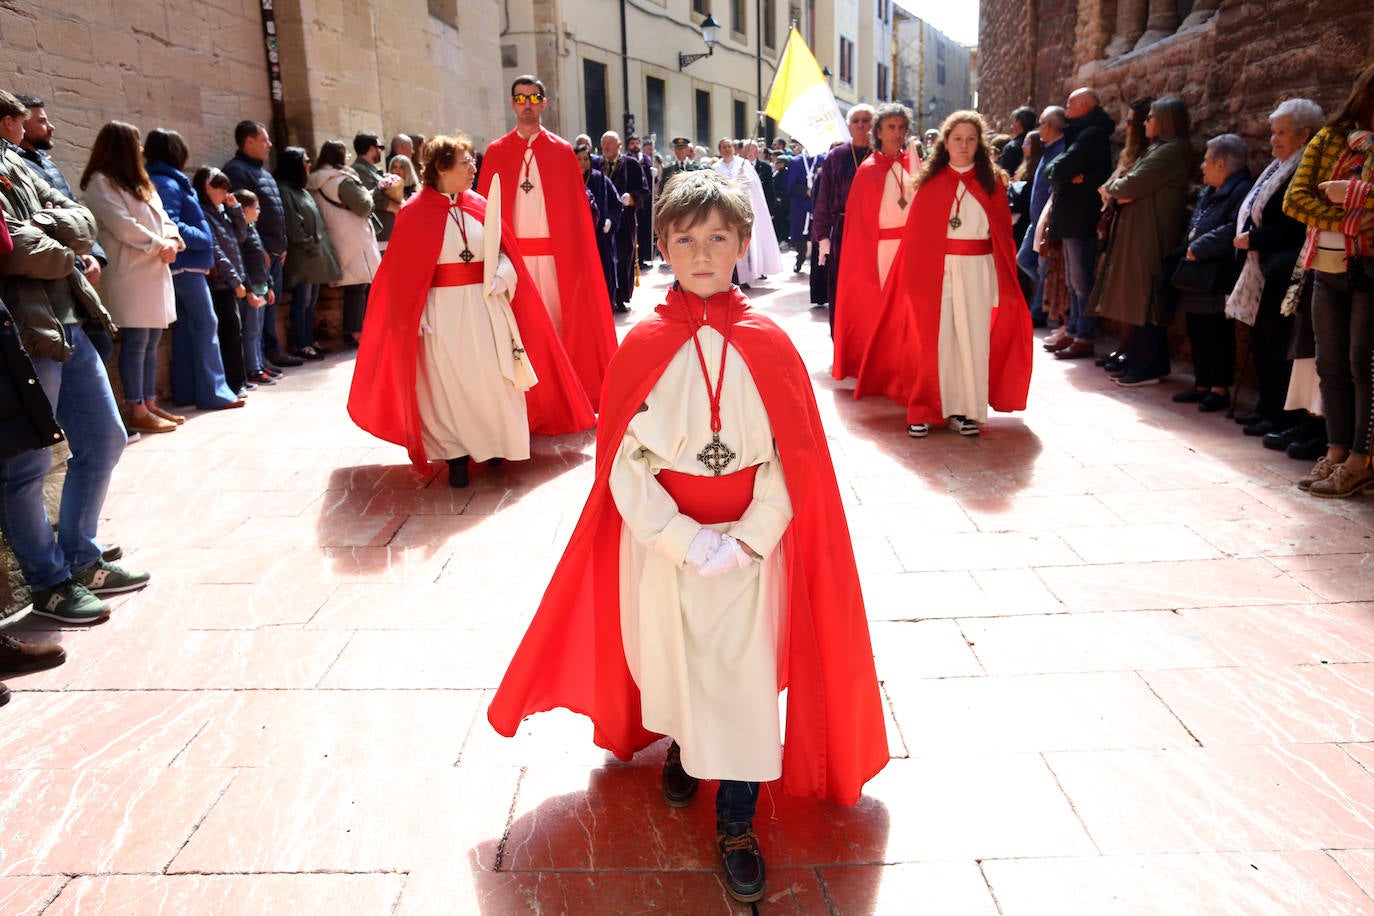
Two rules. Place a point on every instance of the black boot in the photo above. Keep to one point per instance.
(679, 786)
(742, 861)
(458, 472)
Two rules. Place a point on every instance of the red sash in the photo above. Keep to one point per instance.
(968, 246)
(531, 248)
(711, 500)
(457, 274)
(891, 232)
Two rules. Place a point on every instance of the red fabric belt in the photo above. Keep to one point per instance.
(531, 248)
(968, 246)
(457, 274)
(711, 500)
(891, 232)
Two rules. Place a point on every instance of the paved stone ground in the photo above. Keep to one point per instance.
(1129, 669)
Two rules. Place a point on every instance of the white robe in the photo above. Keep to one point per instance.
(467, 407)
(530, 220)
(763, 257)
(892, 215)
(703, 652)
(967, 298)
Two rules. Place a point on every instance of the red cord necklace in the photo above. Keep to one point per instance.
(454, 211)
(716, 455)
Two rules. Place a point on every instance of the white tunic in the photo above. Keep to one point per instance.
(704, 652)
(467, 407)
(763, 257)
(530, 220)
(892, 215)
(967, 300)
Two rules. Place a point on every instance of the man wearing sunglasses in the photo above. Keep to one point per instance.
(542, 198)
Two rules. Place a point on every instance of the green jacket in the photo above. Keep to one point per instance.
(310, 255)
(672, 168)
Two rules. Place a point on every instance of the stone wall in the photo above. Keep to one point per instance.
(1231, 61)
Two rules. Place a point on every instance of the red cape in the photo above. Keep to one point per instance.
(902, 361)
(588, 331)
(572, 655)
(382, 398)
(858, 294)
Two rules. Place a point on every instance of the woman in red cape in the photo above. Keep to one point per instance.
(902, 361)
(572, 655)
(382, 399)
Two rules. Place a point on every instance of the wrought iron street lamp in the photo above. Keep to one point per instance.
(710, 31)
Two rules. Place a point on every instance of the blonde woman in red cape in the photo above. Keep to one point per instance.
(954, 333)
(458, 358)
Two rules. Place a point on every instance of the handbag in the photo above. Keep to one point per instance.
(1196, 276)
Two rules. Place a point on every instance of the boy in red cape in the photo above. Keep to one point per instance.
(711, 567)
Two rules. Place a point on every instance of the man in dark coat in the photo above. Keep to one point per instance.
(801, 176)
(607, 214)
(645, 238)
(1075, 176)
(626, 173)
(827, 215)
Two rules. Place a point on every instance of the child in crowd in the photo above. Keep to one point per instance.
(711, 567)
(229, 279)
(259, 284)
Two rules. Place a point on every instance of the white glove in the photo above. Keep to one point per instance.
(497, 286)
(626, 199)
(822, 251)
(730, 555)
(605, 226)
(702, 547)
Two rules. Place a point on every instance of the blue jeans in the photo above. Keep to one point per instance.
(84, 405)
(303, 299)
(1032, 266)
(251, 319)
(270, 343)
(138, 363)
(735, 802)
(197, 367)
(1080, 258)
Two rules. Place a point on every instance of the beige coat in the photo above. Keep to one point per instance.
(347, 209)
(136, 285)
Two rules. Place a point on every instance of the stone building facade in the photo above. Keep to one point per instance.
(934, 72)
(1230, 60)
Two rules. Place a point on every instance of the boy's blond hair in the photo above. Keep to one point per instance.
(689, 197)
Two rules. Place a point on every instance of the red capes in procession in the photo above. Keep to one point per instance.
(573, 656)
(382, 398)
(588, 330)
(902, 361)
(858, 291)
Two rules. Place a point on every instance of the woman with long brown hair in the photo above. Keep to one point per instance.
(140, 242)
(954, 334)
(1153, 196)
(1330, 194)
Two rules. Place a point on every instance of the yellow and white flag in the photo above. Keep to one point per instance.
(801, 101)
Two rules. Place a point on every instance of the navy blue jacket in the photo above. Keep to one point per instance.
(246, 172)
(179, 200)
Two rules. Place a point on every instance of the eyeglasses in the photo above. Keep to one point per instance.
(521, 98)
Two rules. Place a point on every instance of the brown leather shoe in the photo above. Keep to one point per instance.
(1320, 471)
(1079, 349)
(1056, 341)
(17, 656)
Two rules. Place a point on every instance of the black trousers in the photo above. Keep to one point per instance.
(230, 337)
(626, 261)
(1147, 351)
(1343, 318)
(645, 234)
(1213, 337)
(1269, 353)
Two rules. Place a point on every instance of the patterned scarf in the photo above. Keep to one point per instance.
(1243, 303)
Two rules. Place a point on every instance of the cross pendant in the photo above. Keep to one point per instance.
(466, 255)
(716, 455)
(526, 186)
(902, 202)
(955, 222)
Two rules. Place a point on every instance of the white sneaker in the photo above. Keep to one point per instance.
(918, 430)
(963, 426)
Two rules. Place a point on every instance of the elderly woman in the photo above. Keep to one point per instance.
(1153, 195)
(1271, 240)
(953, 333)
(459, 358)
(1210, 269)
(1330, 194)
